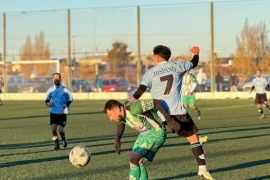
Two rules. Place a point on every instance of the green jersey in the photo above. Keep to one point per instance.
(142, 116)
(188, 84)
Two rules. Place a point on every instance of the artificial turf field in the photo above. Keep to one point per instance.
(238, 147)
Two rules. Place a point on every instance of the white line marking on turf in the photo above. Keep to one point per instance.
(226, 107)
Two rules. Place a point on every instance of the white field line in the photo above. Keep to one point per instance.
(227, 107)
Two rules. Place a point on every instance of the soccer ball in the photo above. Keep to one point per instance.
(79, 156)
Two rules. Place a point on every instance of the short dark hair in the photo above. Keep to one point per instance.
(111, 104)
(57, 74)
(162, 51)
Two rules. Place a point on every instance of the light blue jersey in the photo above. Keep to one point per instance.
(58, 97)
(259, 84)
(164, 81)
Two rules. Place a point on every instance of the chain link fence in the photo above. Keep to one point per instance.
(81, 39)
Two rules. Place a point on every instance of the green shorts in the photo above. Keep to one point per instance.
(148, 144)
(189, 100)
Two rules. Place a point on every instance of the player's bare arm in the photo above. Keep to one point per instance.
(119, 132)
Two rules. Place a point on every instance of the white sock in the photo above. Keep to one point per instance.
(202, 168)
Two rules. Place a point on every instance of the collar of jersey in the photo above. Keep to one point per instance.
(162, 62)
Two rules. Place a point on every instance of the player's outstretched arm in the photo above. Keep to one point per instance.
(251, 89)
(195, 50)
(138, 93)
(119, 132)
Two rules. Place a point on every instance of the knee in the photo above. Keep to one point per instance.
(135, 159)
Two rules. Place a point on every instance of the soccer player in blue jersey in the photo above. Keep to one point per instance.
(146, 117)
(164, 81)
(260, 85)
(58, 98)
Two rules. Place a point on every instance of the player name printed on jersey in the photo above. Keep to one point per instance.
(162, 71)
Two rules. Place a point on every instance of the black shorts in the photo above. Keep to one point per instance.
(188, 127)
(59, 119)
(261, 99)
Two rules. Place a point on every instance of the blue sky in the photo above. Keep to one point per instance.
(33, 5)
(177, 24)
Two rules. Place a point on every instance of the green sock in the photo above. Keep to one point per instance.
(144, 174)
(134, 173)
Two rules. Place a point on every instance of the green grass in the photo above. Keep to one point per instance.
(238, 147)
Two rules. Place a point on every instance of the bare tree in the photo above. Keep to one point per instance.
(37, 51)
(252, 49)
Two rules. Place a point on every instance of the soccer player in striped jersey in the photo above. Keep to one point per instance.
(58, 98)
(260, 85)
(165, 81)
(188, 88)
(145, 116)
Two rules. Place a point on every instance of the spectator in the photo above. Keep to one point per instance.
(219, 81)
(98, 83)
(234, 81)
(201, 78)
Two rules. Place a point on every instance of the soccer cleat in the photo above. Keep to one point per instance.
(262, 116)
(205, 175)
(56, 147)
(199, 114)
(203, 139)
(64, 143)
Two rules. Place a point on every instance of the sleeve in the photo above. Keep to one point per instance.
(195, 61)
(141, 106)
(139, 92)
(48, 97)
(120, 128)
(69, 97)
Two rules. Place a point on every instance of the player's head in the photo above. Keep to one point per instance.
(162, 51)
(57, 79)
(114, 110)
(258, 73)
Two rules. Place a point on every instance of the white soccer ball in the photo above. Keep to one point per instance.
(79, 156)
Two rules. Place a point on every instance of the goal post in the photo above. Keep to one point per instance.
(39, 62)
(27, 67)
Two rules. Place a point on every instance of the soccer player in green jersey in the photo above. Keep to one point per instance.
(188, 87)
(149, 118)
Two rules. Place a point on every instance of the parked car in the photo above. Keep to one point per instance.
(14, 82)
(247, 86)
(225, 84)
(37, 85)
(81, 85)
(116, 85)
